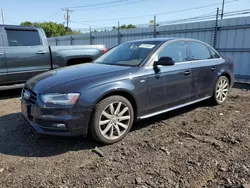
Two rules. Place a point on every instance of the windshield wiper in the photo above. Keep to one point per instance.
(117, 64)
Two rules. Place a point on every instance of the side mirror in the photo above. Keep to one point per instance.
(165, 61)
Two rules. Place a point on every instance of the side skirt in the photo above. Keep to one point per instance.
(173, 108)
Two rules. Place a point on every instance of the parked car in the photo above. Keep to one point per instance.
(24, 53)
(135, 80)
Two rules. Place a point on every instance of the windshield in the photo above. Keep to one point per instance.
(128, 54)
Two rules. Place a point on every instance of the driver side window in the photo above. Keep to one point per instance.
(176, 50)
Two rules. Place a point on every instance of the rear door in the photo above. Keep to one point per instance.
(26, 53)
(204, 68)
(3, 69)
(170, 86)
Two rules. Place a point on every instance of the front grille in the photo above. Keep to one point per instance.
(33, 96)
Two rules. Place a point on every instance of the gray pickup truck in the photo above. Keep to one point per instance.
(24, 53)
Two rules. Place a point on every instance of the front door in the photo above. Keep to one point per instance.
(26, 55)
(3, 69)
(170, 86)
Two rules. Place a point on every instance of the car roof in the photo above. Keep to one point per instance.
(153, 39)
(164, 39)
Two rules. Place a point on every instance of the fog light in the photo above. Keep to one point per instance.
(59, 125)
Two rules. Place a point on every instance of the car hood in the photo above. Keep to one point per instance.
(67, 75)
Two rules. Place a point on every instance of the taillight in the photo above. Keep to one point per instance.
(105, 50)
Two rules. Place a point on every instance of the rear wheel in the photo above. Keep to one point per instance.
(112, 119)
(221, 90)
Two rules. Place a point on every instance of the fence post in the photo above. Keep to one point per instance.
(71, 40)
(90, 36)
(118, 34)
(216, 28)
(154, 26)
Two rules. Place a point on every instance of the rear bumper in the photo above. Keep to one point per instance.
(43, 121)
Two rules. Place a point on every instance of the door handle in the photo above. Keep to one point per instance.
(41, 52)
(187, 72)
(213, 69)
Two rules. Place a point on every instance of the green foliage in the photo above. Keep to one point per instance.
(52, 29)
(129, 26)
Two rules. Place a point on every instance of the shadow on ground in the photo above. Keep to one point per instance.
(242, 86)
(17, 139)
(8, 94)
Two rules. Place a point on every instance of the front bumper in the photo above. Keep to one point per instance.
(43, 120)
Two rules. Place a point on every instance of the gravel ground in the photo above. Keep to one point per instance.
(197, 146)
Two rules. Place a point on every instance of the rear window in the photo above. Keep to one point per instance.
(198, 51)
(23, 37)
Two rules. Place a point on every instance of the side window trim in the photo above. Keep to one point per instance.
(188, 50)
(211, 50)
(1, 38)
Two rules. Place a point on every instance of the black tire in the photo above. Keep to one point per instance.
(215, 100)
(94, 128)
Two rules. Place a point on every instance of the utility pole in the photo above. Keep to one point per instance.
(222, 9)
(2, 16)
(67, 17)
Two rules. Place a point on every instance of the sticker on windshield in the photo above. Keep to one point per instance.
(146, 46)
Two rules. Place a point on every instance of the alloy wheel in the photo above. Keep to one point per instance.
(222, 90)
(114, 120)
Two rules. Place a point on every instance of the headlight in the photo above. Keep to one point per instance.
(61, 99)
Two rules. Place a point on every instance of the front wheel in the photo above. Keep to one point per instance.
(111, 120)
(221, 90)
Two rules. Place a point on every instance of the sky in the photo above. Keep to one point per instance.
(107, 13)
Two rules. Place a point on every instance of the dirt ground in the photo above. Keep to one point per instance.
(197, 146)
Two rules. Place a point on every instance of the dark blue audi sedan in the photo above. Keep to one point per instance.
(134, 80)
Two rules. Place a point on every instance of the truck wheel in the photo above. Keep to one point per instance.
(112, 119)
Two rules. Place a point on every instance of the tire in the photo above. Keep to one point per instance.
(221, 90)
(109, 125)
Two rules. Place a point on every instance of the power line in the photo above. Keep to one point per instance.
(99, 4)
(139, 1)
(205, 17)
(55, 13)
(177, 11)
(208, 16)
(88, 24)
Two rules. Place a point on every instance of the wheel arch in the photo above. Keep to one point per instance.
(228, 77)
(124, 93)
(226, 74)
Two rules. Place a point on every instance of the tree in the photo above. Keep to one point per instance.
(129, 26)
(27, 23)
(52, 29)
